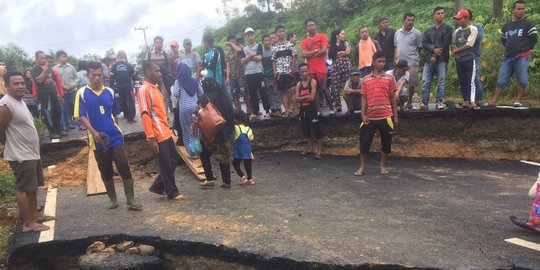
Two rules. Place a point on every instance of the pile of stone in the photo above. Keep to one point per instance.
(125, 255)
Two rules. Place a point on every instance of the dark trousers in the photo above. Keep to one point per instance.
(466, 72)
(177, 125)
(254, 84)
(166, 160)
(50, 108)
(105, 159)
(367, 132)
(225, 168)
(127, 103)
(247, 165)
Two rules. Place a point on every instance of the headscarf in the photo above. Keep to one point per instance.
(183, 76)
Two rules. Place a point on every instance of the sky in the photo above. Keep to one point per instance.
(94, 26)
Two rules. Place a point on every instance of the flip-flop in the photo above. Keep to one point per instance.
(45, 219)
(180, 197)
(250, 182)
(37, 228)
(358, 173)
(384, 171)
(317, 157)
(517, 105)
(207, 183)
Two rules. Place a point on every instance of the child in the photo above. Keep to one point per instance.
(306, 90)
(242, 148)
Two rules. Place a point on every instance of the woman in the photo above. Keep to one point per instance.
(341, 65)
(28, 98)
(187, 91)
(221, 146)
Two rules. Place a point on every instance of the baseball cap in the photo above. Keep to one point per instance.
(174, 44)
(462, 14)
(248, 30)
(402, 64)
(187, 41)
(355, 71)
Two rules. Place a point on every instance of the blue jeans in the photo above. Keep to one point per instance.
(67, 110)
(478, 81)
(514, 65)
(430, 71)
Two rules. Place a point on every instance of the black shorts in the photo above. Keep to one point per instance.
(367, 132)
(285, 82)
(309, 119)
(28, 175)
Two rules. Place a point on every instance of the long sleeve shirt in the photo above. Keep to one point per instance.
(518, 37)
(153, 112)
(69, 77)
(438, 37)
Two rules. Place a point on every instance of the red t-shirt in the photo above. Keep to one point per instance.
(377, 93)
(318, 64)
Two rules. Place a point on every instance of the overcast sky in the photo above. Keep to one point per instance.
(94, 26)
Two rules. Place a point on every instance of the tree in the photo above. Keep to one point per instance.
(459, 4)
(15, 57)
(110, 53)
(91, 57)
(268, 4)
(497, 9)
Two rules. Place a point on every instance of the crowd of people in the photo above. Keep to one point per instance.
(378, 80)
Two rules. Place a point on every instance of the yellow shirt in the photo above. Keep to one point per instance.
(239, 129)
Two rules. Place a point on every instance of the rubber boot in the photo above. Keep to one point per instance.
(130, 195)
(111, 191)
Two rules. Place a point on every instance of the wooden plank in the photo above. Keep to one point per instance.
(194, 165)
(50, 210)
(94, 184)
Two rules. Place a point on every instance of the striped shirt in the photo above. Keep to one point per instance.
(153, 112)
(377, 91)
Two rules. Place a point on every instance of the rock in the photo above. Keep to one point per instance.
(95, 247)
(124, 246)
(109, 250)
(118, 261)
(146, 250)
(133, 250)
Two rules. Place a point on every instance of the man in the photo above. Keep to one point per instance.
(519, 37)
(48, 94)
(436, 42)
(306, 91)
(2, 72)
(160, 57)
(106, 66)
(284, 59)
(251, 57)
(212, 60)
(175, 56)
(407, 43)
(352, 92)
(379, 107)
(314, 49)
(274, 96)
(21, 140)
(401, 76)
(478, 72)
(235, 74)
(463, 41)
(292, 38)
(191, 59)
(97, 108)
(158, 132)
(70, 81)
(122, 77)
(385, 37)
(365, 49)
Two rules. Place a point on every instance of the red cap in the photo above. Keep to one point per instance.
(462, 14)
(174, 44)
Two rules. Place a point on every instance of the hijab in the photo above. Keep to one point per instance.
(183, 76)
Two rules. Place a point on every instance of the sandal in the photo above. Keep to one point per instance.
(250, 182)
(517, 105)
(45, 219)
(384, 171)
(225, 186)
(208, 183)
(244, 181)
(358, 173)
(317, 157)
(180, 197)
(37, 228)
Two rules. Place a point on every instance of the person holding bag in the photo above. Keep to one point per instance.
(220, 146)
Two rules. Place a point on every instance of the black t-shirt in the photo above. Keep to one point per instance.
(48, 86)
(122, 74)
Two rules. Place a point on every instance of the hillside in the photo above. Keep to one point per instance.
(351, 14)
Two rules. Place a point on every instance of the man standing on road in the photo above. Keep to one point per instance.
(379, 107)
(252, 57)
(519, 37)
(436, 42)
(21, 140)
(122, 77)
(48, 94)
(407, 43)
(284, 56)
(70, 80)
(314, 49)
(158, 132)
(462, 49)
(385, 37)
(97, 108)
